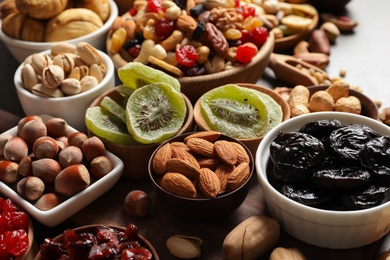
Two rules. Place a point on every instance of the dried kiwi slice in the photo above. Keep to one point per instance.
(155, 112)
(135, 75)
(105, 125)
(114, 108)
(235, 111)
(274, 110)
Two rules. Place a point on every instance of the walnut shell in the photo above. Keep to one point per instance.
(41, 9)
(72, 23)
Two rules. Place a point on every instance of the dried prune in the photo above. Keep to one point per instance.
(296, 155)
(375, 155)
(306, 194)
(345, 177)
(347, 142)
(321, 128)
(371, 197)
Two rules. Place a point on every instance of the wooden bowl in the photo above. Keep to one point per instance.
(136, 158)
(251, 143)
(288, 42)
(196, 86)
(201, 208)
(91, 229)
(369, 108)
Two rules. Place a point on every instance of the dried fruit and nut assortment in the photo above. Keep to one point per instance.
(66, 71)
(46, 164)
(14, 240)
(100, 242)
(328, 165)
(43, 21)
(201, 166)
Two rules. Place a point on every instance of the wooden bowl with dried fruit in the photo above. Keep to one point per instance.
(201, 174)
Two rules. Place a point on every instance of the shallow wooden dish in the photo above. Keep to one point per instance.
(90, 228)
(136, 158)
(288, 42)
(194, 87)
(369, 109)
(251, 143)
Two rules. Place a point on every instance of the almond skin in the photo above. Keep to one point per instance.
(184, 167)
(226, 152)
(178, 184)
(223, 172)
(210, 136)
(238, 177)
(242, 155)
(209, 183)
(185, 155)
(160, 159)
(72, 180)
(201, 146)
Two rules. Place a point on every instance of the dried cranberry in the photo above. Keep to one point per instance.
(164, 28)
(105, 235)
(51, 249)
(133, 11)
(132, 232)
(186, 55)
(140, 253)
(246, 11)
(246, 36)
(154, 6)
(13, 243)
(135, 50)
(245, 53)
(13, 220)
(259, 36)
(104, 251)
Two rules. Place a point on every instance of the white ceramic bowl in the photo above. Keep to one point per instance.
(73, 204)
(22, 49)
(70, 108)
(323, 228)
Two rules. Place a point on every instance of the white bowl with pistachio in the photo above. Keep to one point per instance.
(63, 81)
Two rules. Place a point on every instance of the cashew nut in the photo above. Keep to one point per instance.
(172, 11)
(159, 52)
(146, 47)
(170, 43)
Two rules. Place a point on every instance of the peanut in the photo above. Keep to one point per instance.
(321, 101)
(281, 253)
(299, 101)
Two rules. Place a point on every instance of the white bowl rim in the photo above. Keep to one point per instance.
(299, 120)
(110, 71)
(106, 26)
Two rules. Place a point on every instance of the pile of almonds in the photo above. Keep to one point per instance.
(203, 165)
(46, 164)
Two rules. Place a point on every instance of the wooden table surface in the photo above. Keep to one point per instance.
(161, 224)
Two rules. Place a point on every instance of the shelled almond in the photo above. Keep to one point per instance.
(202, 165)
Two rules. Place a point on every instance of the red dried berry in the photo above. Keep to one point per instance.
(259, 36)
(187, 55)
(13, 243)
(245, 53)
(246, 36)
(154, 6)
(164, 28)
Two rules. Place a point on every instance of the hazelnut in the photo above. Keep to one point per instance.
(3, 140)
(72, 180)
(47, 169)
(25, 166)
(45, 147)
(15, 149)
(63, 139)
(93, 147)
(77, 139)
(31, 187)
(9, 172)
(137, 203)
(70, 155)
(24, 120)
(32, 130)
(100, 166)
(384, 115)
(56, 127)
(48, 201)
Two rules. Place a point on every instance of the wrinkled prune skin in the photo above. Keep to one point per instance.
(371, 197)
(347, 142)
(344, 177)
(296, 155)
(375, 155)
(305, 194)
(321, 128)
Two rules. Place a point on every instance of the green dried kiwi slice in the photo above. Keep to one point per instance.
(274, 109)
(114, 108)
(155, 113)
(135, 75)
(105, 125)
(235, 111)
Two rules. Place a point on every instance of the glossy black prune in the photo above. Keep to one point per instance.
(305, 194)
(344, 177)
(375, 155)
(321, 128)
(296, 155)
(347, 142)
(371, 197)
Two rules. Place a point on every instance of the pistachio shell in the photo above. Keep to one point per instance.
(29, 76)
(88, 53)
(71, 86)
(64, 61)
(52, 76)
(88, 82)
(43, 91)
(62, 47)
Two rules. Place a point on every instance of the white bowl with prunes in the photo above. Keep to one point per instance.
(326, 178)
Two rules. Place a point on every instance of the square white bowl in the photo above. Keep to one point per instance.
(73, 204)
(323, 228)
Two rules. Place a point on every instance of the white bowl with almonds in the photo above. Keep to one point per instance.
(63, 81)
(87, 21)
(201, 174)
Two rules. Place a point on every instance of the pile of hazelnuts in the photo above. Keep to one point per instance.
(46, 162)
